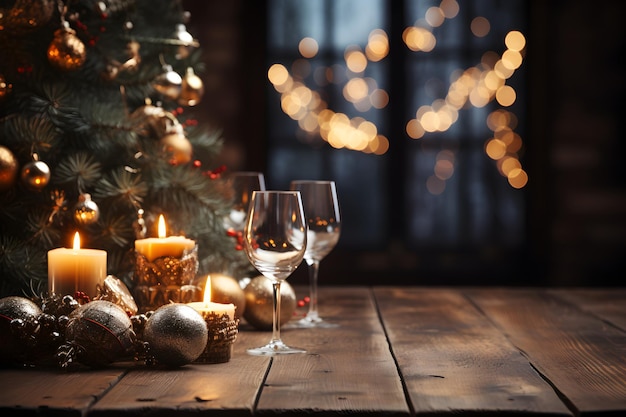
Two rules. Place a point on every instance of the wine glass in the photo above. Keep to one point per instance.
(242, 184)
(321, 209)
(275, 241)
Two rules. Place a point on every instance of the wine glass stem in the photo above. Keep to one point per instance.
(314, 267)
(276, 312)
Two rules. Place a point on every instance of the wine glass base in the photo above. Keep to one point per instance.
(308, 322)
(275, 347)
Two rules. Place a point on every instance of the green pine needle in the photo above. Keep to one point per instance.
(41, 230)
(123, 186)
(81, 169)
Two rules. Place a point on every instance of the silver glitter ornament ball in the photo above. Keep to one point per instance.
(14, 308)
(176, 333)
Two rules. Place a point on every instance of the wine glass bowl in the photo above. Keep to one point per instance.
(323, 217)
(241, 184)
(275, 238)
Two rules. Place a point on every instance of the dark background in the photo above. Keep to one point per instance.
(576, 203)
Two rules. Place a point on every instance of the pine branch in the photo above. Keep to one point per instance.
(22, 267)
(80, 169)
(123, 187)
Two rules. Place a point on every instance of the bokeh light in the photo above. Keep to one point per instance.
(480, 27)
(476, 86)
(308, 47)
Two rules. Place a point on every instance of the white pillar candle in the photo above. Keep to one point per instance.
(208, 307)
(76, 269)
(157, 247)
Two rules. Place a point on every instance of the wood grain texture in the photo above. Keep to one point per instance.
(454, 361)
(607, 304)
(582, 356)
(37, 392)
(347, 369)
(224, 389)
(406, 351)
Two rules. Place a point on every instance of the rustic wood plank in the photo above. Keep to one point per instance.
(608, 304)
(223, 389)
(36, 392)
(584, 358)
(348, 369)
(454, 361)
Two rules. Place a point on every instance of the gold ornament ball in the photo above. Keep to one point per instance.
(259, 295)
(11, 308)
(36, 175)
(185, 40)
(26, 15)
(192, 89)
(86, 210)
(151, 120)
(178, 147)
(66, 51)
(8, 168)
(225, 290)
(168, 83)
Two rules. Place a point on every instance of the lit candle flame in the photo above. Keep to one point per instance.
(76, 241)
(207, 290)
(162, 232)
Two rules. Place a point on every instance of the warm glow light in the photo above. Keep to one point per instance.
(492, 81)
(355, 60)
(435, 185)
(379, 98)
(476, 86)
(450, 8)
(444, 169)
(508, 164)
(515, 145)
(308, 47)
(419, 39)
(434, 16)
(278, 74)
(479, 97)
(489, 59)
(207, 290)
(498, 119)
(382, 145)
(518, 178)
(161, 227)
(430, 121)
(480, 26)
(76, 241)
(495, 149)
(511, 59)
(506, 95)
(377, 45)
(356, 89)
(515, 40)
(502, 70)
(414, 129)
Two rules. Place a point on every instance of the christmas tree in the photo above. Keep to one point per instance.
(97, 135)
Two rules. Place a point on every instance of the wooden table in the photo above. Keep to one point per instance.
(397, 351)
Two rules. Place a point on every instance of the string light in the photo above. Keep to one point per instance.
(475, 86)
